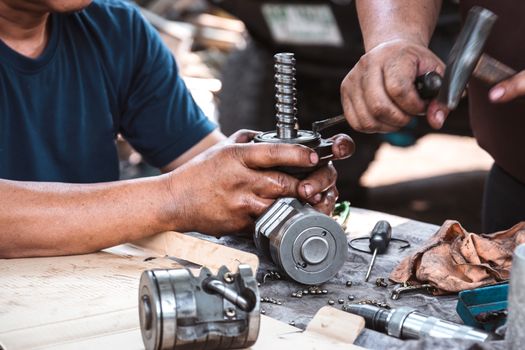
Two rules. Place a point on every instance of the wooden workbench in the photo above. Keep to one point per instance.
(41, 298)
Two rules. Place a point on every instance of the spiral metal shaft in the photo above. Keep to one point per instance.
(285, 95)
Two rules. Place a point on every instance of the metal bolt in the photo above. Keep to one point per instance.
(279, 303)
(351, 297)
(228, 277)
(331, 302)
(349, 283)
(380, 282)
(230, 312)
(294, 295)
(292, 323)
(325, 291)
(305, 292)
(263, 312)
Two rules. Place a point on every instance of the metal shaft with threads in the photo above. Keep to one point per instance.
(285, 95)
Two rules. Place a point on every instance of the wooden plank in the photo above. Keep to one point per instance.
(198, 251)
(336, 324)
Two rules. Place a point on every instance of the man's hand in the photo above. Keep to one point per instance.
(226, 187)
(378, 95)
(508, 89)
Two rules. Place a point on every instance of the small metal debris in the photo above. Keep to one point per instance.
(375, 303)
(380, 282)
(341, 301)
(325, 291)
(331, 302)
(273, 275)
(258, 284)
(294, 295)
(349, 283)
(263, 312)
(305, 292)
(351, 297)
(292, 323)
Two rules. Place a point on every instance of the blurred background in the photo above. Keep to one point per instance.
(225, 50)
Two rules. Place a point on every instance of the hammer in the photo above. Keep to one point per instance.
(466, 59)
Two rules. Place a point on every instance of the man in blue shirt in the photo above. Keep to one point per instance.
(73, 75)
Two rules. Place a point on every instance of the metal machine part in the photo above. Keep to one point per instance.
(180, 311)
(407, 323)
(309, 246)
(286, 127)
(466, 59)
(515, 336)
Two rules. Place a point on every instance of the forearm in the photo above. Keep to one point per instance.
(38, 219)
(385, 20)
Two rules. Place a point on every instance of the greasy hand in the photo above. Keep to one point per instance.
(225, 188)
(378, 94)
(319, 188)
(508, 89)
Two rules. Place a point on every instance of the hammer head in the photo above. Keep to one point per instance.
(465, 55)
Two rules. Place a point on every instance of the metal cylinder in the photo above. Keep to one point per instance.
(309, 246)
(180, 311)
(285, 95)
(515, 335)
(407, 323)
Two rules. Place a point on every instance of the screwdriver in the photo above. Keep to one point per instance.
(379, 240)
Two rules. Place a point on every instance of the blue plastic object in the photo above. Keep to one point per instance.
(480, 300)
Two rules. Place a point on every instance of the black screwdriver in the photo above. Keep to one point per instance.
(379, 240)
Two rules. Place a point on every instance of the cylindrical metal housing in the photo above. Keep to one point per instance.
(515, 335)
(407, 323)
(180, 311)
(309, 246)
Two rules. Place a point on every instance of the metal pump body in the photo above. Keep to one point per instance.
(180, 311)
(308, 246)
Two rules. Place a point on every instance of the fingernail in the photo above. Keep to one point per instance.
(439, 116)
(308, 190)
(343, 150)
(497, 93)
(314, 158)
(317, 198)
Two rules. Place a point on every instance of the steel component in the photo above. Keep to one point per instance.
(309, 246)
(465, 54)
(396, 293)
(180, 311)
(515, 336)
(407, 323)
(285, 95)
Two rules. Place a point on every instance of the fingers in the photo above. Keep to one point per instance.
(380, 104)
(399, 78)
(355, 104)
(343, 146)
(316, 183)
(508, 89)
(269, 155)
(437, 114)
(327, 203)
(269, 184)
(243, 136)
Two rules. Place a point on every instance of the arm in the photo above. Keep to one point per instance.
(221, 190)
(378, 94)
(410, 20)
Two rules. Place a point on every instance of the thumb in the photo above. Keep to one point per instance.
(437, 114)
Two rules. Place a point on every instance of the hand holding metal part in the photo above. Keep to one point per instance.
(309, 246)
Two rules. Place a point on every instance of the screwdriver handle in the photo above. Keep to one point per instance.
(380, 236)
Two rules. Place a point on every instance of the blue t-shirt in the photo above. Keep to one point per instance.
(104, 71)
